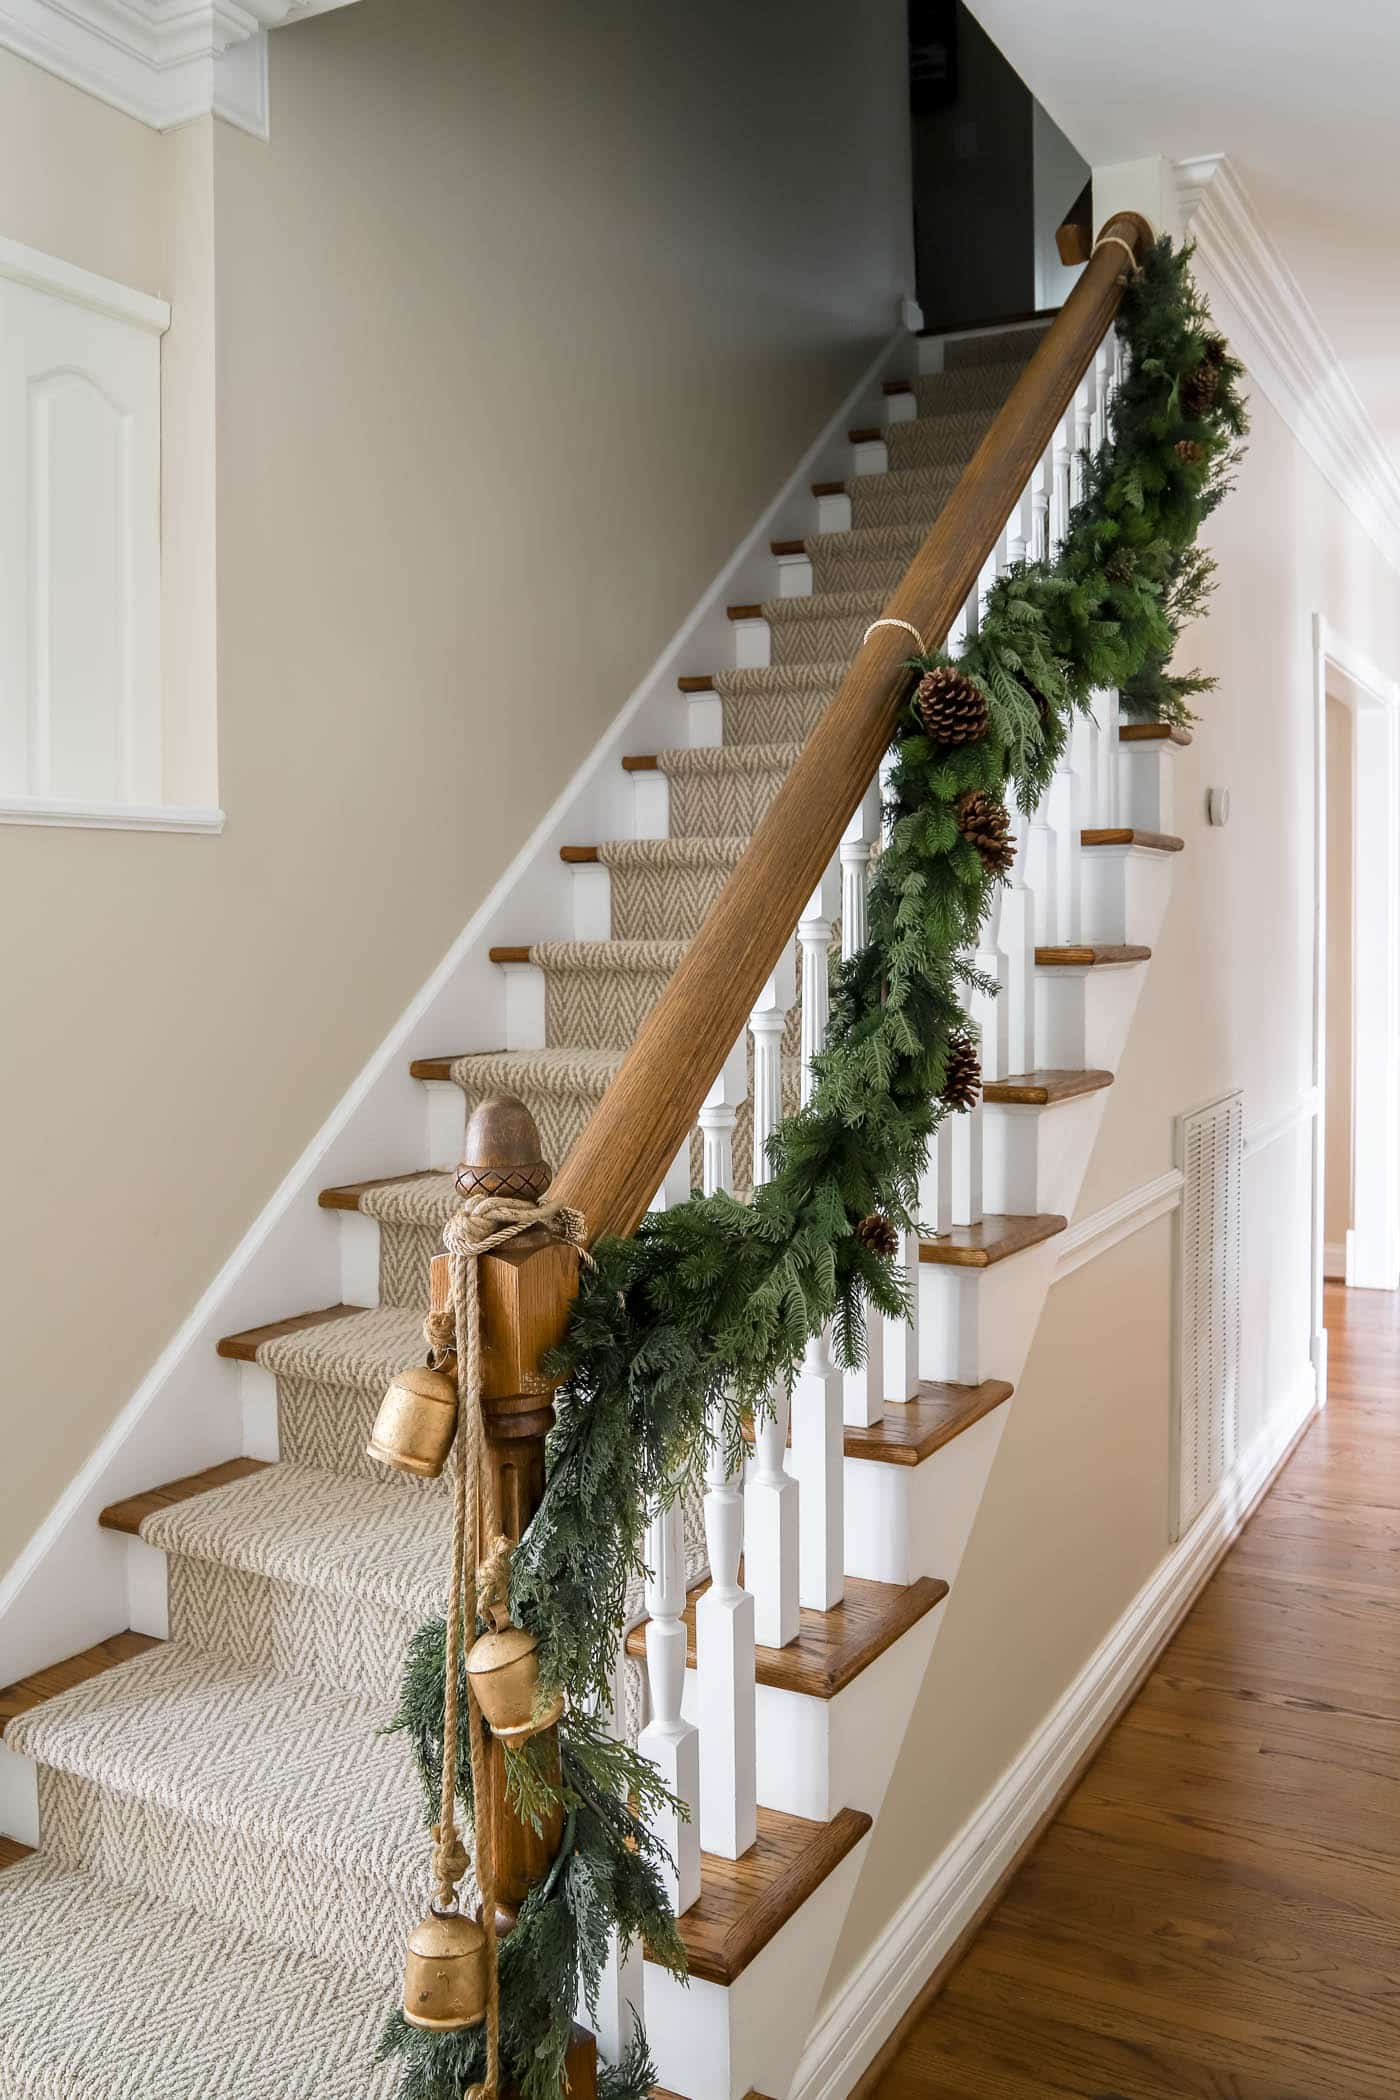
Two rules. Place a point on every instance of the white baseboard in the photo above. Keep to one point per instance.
(1334, 1260)
(872, 2000)
(66, 1590)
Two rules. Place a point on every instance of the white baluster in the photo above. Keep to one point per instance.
(863, 1390)
(668, 1739)
(1016, 910)
(899, 1339)
(818, 1452)
(724, 1616)
(621, 1987)
(770, 1494)
(963, 1131)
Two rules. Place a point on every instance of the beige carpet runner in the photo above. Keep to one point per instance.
(232, 1854)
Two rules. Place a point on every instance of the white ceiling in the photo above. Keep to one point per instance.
(1302, 95)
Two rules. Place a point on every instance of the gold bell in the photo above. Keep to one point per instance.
(444, 1979)
(504, 1669)
(416, 1423)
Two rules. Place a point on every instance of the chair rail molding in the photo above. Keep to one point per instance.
(1260, 305)
(161, 61)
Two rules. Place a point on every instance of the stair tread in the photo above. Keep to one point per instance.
(129, 1514)
(698, 851)
(215, 2009)
(998, 1236)
(1127, 835)
(1042, 1089)
(832, 1647)
(307, 1768)
(1154, 733)
(717, 758)
(41, 1685)
(744, 1903)
(243, 1348)
(349, 1535)
(596, 955)
(347, 1195)
(556, 1068)
(12, 1852)
(1088, 955)
(912, 1430)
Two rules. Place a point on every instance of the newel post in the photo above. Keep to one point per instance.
(525, 1290)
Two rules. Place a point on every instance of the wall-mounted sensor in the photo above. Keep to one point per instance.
(1217, 805)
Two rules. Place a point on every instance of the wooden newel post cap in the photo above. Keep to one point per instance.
(502, 1152)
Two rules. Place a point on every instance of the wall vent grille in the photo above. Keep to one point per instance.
(1205, 1427)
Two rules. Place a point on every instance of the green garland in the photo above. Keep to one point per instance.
(694, 1320)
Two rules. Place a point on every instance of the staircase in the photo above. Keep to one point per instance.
(231, 1856)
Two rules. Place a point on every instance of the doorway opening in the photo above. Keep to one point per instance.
(994, 179)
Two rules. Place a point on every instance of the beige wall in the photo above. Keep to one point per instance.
(1075, 1518)
(522, 317)
(1337, 1209)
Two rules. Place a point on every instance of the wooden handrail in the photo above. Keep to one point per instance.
(648, 1111)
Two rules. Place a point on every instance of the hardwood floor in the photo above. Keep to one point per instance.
(1215, 1912)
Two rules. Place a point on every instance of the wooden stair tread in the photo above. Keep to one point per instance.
(1044, 1088)
(998, 1235)
(131, 1514)
(993, 326)
(22, 1698)
(832, 1647)
(431, 1067)
(787, 546)
(509, 955)
(579, 856)
(912, 1430)
(1125, 835)
(828, 488)
(744, 1903)
(744, 612)
(1153, 733)
(243, 1348)
(12, 1852)
(697, 683)
(868, 434)
(1088, 956)
(347, 1196)
(644, 762)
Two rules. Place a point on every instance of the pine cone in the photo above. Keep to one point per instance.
(983, 822)
(878, 1234)
(1120, 567)
(1199, 389)
(1214, 351)
(1189, 452)
(962, 1080)
(951, 707)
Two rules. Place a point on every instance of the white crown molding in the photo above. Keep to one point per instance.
(164, 62)
(101, 295)
(1262, 307)
(870, 2003)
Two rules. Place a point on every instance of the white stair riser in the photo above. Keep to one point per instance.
(1147, 785)
(1034, 1158)
(906, 1521)
(818, 1756)
(704, 719)
(976, 1323)
(525, 1006)
(834, 513)
(713, 2042)
(1082, 1015)
(1125, 892)
(19, 1797)
(590, 898)
(872, 456)
(794, 575)
(651, 799)
(753, 645)
(147, 1590)
(257, 1393)
(445, 1114)
(359, 1255)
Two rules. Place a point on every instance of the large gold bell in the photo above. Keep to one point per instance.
(416, 1423)
(504, 1668)
(444, 1978)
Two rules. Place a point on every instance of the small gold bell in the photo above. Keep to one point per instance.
(444, 1980)
(416, 1423)
(504, 1669)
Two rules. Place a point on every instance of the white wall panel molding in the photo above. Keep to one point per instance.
(1262, 308)
(162, 61)
(100, 295)
(108, 816)
(1090, 1237)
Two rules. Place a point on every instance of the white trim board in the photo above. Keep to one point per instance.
(108, 816)
(873, 1999)
(1260, 305)
(161, 63)
(59, 1595)
(39, 272)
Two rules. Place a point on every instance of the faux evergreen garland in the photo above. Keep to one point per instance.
(698, 1316)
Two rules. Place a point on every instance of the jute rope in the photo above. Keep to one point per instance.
(482, 1223)
(1116, 240)
(907, 625)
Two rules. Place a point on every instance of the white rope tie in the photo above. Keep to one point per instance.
(908, 629)
(1116, 240)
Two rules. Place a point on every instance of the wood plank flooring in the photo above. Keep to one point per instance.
(1215, 1912)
